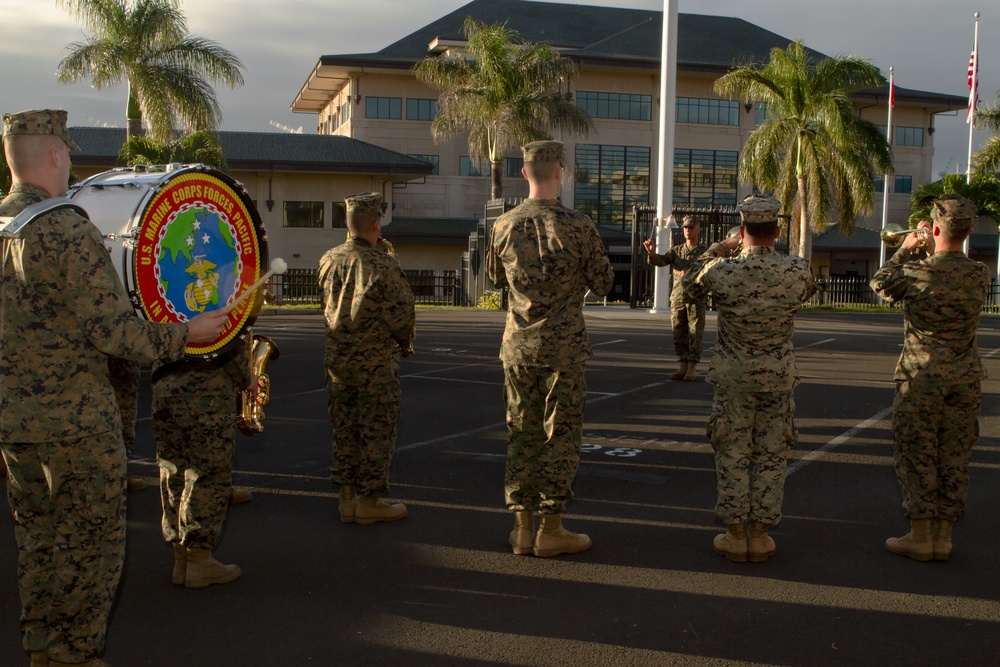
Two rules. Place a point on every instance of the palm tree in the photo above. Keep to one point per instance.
(196, 148)
(145, 44)
(503, 92)
(983, 190)
(987, 159)
(813, 150)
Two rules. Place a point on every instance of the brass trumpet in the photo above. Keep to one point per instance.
(892, 235)
(388, 246)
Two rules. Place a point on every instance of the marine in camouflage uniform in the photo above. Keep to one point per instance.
(63, 311)
(548, 256)
(935, 418)
(195, 405)
(368, 306)
(752, 425)
(687, 315)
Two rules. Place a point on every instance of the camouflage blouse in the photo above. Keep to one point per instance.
(942, 297)
(369, 313)
(757, 295)
(548, 255)
(681, 257)
(63, 311)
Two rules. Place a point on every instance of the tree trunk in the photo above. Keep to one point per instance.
(805, 233)
(133, 116)
(496, 180)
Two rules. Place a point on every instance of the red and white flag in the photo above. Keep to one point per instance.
(892, 94)
(973, 88)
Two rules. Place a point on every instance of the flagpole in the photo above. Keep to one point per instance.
(973, 97)
(888, 138)
(665, 168)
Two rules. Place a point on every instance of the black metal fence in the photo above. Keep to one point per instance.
(300, 287)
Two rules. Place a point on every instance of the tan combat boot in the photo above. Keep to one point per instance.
(916, 544)
(180, 564)
(760, 546)
(733, 543)
(371, 510)
(942, 540)
(239, 495)
(347, 504)
(681, 371)
(691, 374)
(522, 538)
(203, 570)
(552, 539)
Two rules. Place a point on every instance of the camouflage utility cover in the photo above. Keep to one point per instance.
(39, 121)
(942, 297)
(368, 306)
(953, 211)
(757, 209)
(368, 202)
(63, 310)
(757, 296)
(543, 151)
(548, 255)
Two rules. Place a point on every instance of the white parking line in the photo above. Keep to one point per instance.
(822, 342)
(839, 440)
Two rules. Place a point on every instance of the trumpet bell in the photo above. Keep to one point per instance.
(892, 234)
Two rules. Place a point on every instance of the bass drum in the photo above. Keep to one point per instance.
(189, 240)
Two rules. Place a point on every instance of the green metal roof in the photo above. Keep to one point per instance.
(611, 36)
(263, 150)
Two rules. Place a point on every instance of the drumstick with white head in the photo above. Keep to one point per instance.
(278, 267)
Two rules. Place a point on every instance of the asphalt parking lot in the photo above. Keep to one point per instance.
(442, 588)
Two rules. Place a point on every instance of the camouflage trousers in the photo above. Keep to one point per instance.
(125, 380)
(68, 501)
(365, 421)
(545, 424)
(935, 429)
(195, 444)
(751, 433)
(687, 321)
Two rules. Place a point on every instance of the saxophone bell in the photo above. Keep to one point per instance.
(250, 420)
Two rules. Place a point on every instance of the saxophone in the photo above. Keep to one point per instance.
(260, 350)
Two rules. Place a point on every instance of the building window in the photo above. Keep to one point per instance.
(421, 109)
(704, 177)
(902, 185)
(909, 136)
(384, 107)
(433, 159)
(469, 167)
(623, 106)
(338, 215)
(610, 180)
(759, 113)
(303, 214)
(512, 167)
(707, 111)
(345, 111)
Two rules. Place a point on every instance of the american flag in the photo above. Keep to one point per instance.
(973, 88)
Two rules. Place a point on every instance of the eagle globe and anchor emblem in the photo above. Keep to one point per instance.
(198, 260)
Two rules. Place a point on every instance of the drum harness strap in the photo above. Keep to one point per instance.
(12, 227)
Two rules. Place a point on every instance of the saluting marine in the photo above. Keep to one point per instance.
(752, 425)
(935, 413)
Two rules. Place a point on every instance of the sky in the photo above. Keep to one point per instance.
(928, 42)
